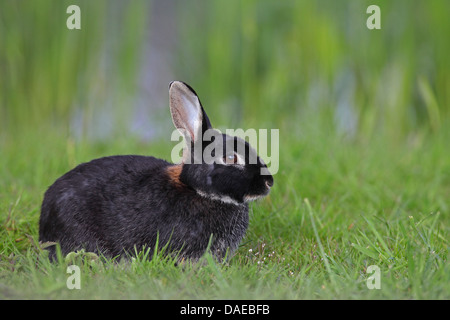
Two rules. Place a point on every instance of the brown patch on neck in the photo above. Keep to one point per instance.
(174, 175)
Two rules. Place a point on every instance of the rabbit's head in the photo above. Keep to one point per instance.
(216, 165)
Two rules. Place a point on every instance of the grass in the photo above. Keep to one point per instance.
(335, 209)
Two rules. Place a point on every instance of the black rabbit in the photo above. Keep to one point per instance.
(119, 204)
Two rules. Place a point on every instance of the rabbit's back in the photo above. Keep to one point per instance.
(114, 204)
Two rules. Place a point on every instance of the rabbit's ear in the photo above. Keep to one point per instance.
(187, 112)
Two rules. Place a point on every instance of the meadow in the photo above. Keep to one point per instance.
(363, 118)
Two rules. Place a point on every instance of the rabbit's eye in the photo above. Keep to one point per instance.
(230, 159)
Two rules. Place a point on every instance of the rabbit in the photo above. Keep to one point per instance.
(119, 205)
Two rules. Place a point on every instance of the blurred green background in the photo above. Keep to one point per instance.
(255, 63)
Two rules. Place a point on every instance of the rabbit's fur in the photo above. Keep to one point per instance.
(119, 204)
